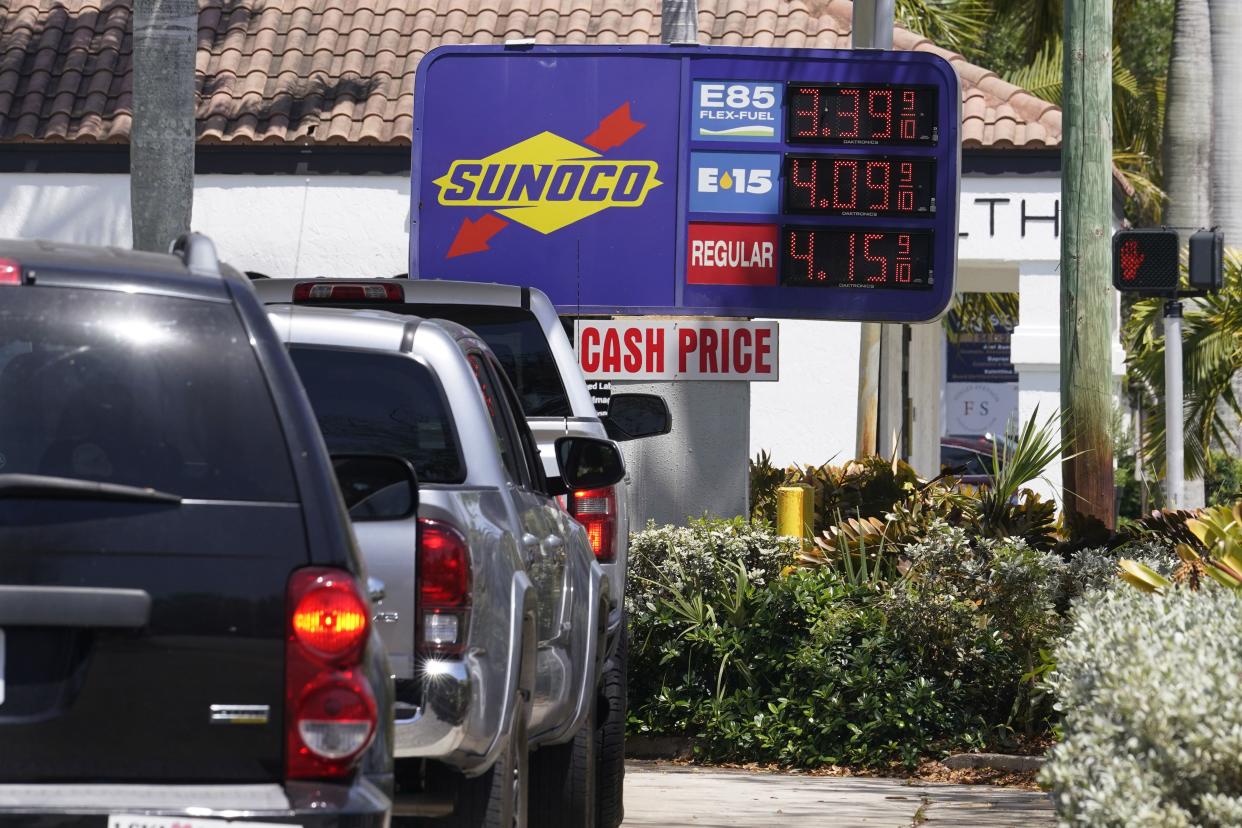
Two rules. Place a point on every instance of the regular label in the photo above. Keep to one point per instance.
(731, 254)
(736, 111)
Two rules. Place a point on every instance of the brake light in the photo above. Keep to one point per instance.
(330, 619)
(443, 574)
(10, 272)
(348, 292)
(330, 710)
(596, 510)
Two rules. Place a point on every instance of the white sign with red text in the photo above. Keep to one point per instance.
(644, 350)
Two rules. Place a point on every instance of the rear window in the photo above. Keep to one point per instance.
(368, 403)
(137, 390)
(518, 341)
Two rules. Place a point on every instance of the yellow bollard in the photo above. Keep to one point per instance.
(795, 511)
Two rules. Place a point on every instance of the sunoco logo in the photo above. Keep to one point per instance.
(546, 182)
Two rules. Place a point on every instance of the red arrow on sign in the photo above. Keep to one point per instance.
(614, 130)
(473, 236)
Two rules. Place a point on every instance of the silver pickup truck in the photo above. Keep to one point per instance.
(523, 329)
(494, 608)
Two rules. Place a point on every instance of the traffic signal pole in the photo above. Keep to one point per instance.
(1174, 440)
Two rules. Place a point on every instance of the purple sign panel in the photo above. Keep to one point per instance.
(693, 181)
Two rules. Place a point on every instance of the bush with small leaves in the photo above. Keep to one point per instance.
(1152, 736)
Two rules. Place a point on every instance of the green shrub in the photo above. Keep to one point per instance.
(1096, 568)
(1152, 734)
(814, 667)
(765, 479)
(1223, 482)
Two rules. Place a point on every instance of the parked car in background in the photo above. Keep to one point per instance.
(495, 608)
(521, 327)
(184, 626)
(970, 458)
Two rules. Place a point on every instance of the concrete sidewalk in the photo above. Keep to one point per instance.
(671, 796)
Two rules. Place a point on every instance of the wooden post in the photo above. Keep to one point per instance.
(1087, 318)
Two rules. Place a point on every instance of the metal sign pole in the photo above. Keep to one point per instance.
(873, 24)
(1174, 441)
(877, 415)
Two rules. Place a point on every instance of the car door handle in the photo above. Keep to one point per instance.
(41, 606)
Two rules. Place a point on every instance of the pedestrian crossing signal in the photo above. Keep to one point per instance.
(1206, 260)
(1145, 261)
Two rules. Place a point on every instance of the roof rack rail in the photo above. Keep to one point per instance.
(198, 253)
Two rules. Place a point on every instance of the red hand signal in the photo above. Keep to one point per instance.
(1131, 259)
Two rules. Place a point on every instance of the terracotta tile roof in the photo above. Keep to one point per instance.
(342, 71)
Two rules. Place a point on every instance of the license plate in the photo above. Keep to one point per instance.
(1, 666)
(139, 821)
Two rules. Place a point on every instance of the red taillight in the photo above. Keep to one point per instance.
(348, 292)
(330, 618)
(443, 573)
(330, 712)
(596, 509)
(10, 272)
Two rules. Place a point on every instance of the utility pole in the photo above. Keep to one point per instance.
(1086, 253)
(878, 345)
(679, 21)
(161, 142)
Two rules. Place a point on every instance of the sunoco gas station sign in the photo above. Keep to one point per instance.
(691, 180)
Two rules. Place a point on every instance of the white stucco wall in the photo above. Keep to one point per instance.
(281, 225)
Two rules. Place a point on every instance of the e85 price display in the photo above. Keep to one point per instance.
(862, 114)
(847, 257)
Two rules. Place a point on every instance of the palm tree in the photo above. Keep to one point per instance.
(1213, 357)
(1227, 148)
(161, 144)
(1226, 16)
(1187, 123)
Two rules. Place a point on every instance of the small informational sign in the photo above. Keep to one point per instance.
(981, 383)
(601, 395)
(644, 351)
(696, 181)
(977, 408)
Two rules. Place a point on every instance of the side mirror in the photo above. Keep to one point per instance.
(589, 463)
(634, 416)
(376, 486)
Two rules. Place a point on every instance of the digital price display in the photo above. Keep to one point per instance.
(862, 114)
(833, 257)
(844, 186)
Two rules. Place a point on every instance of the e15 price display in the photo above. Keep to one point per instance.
(828, 185)
(841, 257)
(861, 114)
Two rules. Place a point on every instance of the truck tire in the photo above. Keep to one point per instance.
(563, 779)
(499, 798)
(610, 735)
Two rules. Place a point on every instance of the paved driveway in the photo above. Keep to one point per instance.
(667, 796)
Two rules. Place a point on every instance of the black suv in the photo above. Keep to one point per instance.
(185, 629)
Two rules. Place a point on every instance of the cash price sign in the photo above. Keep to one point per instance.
(691, 180)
